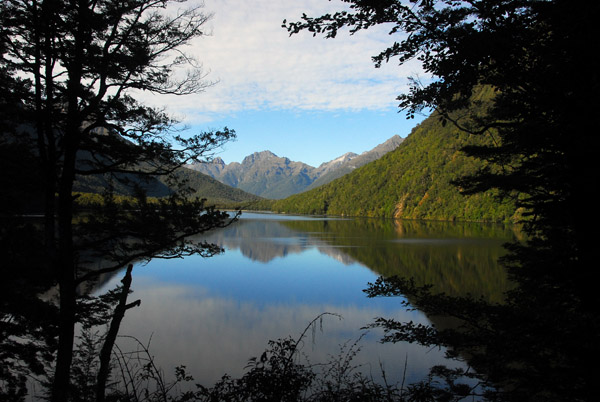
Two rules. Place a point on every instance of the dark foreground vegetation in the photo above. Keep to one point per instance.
(532, 54)
(65, 74)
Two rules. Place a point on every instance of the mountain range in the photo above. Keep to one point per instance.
(408, 178)
(414, 181)
(270, 176)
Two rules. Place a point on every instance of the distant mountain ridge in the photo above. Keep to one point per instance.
(203, 186)
(268, 175)
(118, 183)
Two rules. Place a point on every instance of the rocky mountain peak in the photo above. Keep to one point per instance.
(258, 156)
(268, 175)
(344, 158)
(387, 146)
(218, 161)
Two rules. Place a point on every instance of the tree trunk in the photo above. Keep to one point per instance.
(66, 266)
(65, 270)
(111, 335)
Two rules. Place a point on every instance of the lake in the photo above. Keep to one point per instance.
(279, 272)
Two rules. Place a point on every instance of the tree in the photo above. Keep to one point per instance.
(534, 54)
(73, 68)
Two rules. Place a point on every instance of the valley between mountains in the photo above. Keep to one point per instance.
(269, 176)
(403, 178)
(411, 178)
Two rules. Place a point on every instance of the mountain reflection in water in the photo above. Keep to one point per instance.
(280, 272)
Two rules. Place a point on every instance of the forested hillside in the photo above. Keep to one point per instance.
(412, 182)
(356, 161)
(202, 186)
(214, 191)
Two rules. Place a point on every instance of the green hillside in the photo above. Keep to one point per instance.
(203, 186)
(214, 191)
(412, 182)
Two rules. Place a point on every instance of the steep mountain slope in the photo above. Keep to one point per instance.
(268, 175)
(203, 186)
(214, 191)
(412, 182)
(122, 186)
(18, 154)
(353, 161)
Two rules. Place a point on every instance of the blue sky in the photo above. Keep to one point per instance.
(312, 137)
(302, 97)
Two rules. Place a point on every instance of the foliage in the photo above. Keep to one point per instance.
(135, 375)
(275, 376)
(507, 345)
(515, 48)
(27, 323)
(70, 70)
(280, 374)
(147, 230)
(534, 56)
(90, 201)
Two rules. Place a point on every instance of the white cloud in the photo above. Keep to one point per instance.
(258, 66)
(212, 335)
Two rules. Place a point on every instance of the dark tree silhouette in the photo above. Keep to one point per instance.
(69, 70)
(535, 55)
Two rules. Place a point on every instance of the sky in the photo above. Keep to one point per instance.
(306, 98)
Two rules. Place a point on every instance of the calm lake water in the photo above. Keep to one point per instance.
(280, 272)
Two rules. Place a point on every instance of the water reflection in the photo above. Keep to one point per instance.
(278, 274)
(458, 258)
